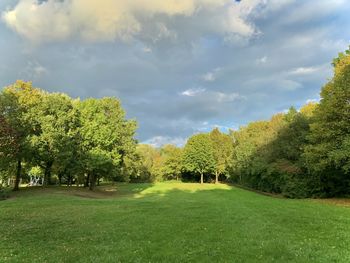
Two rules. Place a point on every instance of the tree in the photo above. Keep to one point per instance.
(8, 149)
(106, 137)
(150, 163)
(172, 155)
(16, 102)
(198, 155)
(328, 154)
(56, 123)
(222, 149)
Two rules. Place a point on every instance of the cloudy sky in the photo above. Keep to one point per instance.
(179, 66)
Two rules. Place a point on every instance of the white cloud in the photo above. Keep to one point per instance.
(159, 141)
(215, 96)
(304, 70)
(192, 92)
(108, 20)
(317, 100)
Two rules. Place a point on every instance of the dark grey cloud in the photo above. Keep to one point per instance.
(176, 86)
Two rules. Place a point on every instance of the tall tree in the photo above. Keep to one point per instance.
(329, 151)
(198, 155)
(54, 139)
(222, 149)
(16, 102)
(106, 137)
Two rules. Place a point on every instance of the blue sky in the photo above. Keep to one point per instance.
(178, 66)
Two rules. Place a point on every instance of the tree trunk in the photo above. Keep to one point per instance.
(87, 180)
(47, 173)
(69, 180)
(92, 182)
(201, 178)
(59, 179)
(216, 177)
(98, 181)
(18, 175)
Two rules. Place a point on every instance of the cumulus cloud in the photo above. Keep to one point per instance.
(108, 20)
(145, 53)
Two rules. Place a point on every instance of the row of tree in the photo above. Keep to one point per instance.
(45, 133)
(300, 153)
(204, 155)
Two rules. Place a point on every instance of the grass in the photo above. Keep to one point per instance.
(169, 222)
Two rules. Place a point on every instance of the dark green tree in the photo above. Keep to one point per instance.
(328, 155)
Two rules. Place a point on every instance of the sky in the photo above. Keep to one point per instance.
(179, 66)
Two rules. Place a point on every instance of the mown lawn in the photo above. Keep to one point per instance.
(170, 222)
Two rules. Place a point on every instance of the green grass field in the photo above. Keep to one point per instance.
(170, 222)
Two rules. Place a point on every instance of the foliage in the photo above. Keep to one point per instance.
(198, 155)
(267, 155)
(328, 155)
(62, 136)
(222, 151)
(16, 103)
(173, 166)
(106, 137)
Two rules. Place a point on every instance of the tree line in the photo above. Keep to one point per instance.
(45, 134)
(300, 153)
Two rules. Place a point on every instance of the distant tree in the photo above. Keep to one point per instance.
(247, 141)
(198, 156)
(172, 161)
(222, 150)
(150, 164)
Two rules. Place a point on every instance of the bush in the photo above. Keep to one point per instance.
(3, 193)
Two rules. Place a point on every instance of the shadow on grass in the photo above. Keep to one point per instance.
(100, 192)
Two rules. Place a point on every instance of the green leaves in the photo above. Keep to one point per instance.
(106, 137)
(198, 154)
(329, 137)
(68, 137)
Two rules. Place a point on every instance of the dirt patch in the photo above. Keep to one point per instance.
(99, 193)
(335, 201)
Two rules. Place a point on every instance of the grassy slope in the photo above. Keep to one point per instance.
(170, 222)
